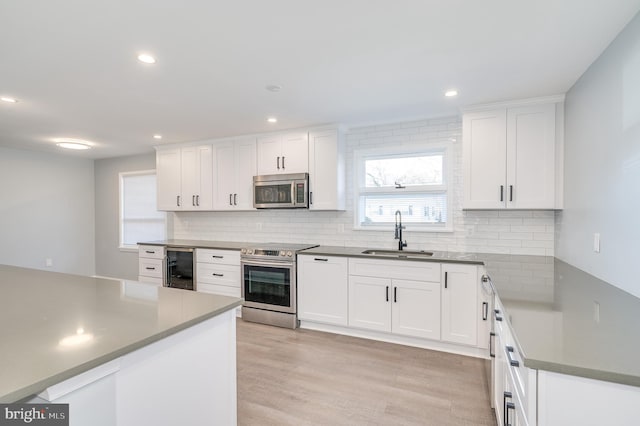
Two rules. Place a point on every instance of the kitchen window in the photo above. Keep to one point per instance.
(140, 219)
(414, 181)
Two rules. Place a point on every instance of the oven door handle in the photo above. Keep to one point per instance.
(276, 264)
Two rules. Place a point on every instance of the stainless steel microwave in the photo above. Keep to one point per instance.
(285, 191)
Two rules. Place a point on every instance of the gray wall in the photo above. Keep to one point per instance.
(602, 166)
(47, 211)
(110, 260)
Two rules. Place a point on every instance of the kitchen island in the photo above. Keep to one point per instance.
(118, 352)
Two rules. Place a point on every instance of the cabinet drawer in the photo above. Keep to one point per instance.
(223, 257)
(151, 252)
(209, 273)
(398, 269)
(151, 280)
(150, 267)
(219, 289)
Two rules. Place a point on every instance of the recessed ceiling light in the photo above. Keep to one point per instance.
(146, 58)
(157, 136)
(451, 93)
(273, 87)
(69, 143)
(272, 120)
(8, 99)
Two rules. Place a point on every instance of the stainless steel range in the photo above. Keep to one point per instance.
(269, 283)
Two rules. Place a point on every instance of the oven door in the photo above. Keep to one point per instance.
(269, 285)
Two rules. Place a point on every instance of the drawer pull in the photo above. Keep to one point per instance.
(217, 275)
(149, 251)
(217, 257)
(485, 311)
(492, 335)
(148, 268)
(506, 395)
(512, 362)
(319, 259)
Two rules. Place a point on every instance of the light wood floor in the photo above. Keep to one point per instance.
(304, 377)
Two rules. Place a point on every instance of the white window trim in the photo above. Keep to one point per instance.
(447, 175)
(121, 175)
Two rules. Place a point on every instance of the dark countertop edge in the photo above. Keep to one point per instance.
(343, 252)
(35, 388)
(584, 372)
(204, 244)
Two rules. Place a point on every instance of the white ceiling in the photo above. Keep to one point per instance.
(72, 63)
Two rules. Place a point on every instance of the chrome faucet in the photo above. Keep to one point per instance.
(399, 229)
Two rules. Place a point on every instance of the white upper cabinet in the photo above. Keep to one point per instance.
(326, 170)
(184, 178)
(235, 166)
(283, 153)
(168, 177)
(509, 156)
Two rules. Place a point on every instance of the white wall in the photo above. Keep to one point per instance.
(46, 211)
(517, 232)
(602, 166)
(111, 261)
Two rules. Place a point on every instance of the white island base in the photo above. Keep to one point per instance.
(187, 378)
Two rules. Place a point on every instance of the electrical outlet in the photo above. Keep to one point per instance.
(48, 262)
(596, 312)
(596, 242)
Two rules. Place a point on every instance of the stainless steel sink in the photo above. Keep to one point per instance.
(399, 254)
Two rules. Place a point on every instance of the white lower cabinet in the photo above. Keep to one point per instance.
(460, 303)
(151, 264)
(409, 307)
(322, 289)
(218, 272)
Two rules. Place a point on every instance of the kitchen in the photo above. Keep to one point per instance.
(63, 208)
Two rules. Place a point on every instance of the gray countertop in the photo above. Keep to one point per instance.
(550, 307)
(221, 245)
(41, 312)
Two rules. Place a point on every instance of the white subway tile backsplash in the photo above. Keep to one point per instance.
(488, 231)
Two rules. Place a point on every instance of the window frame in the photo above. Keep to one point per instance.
(121, 177)
(360, 156)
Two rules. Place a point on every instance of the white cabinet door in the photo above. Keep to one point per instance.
(459, 303)
(224, 175)
(369, 303)
(169, 179)
(295, 153)
(323, 289)
(245, 170)
(269, 154)
(235, 167)
(416, 309)
(531, 157)
(326, 171)
(283, 153)
(197, 177)
(484, 160)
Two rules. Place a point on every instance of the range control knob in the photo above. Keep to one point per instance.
(282, 253)
(290, 253)
(249, 251)
(243, 251)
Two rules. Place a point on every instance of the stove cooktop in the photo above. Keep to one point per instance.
(275, 249)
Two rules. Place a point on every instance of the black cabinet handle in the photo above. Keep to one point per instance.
(510, 192)
(278, 161)
(512, 362)
(217, 275)
(505, 395)
(149, 251)
(509, 406)
(282, 163)
(319, 259)
(497, 315)
(230, 202)
(485, 311)
(150, 269)
(446, 279)
(492, 335)
(387, 293)
(198, 200)
(310, 197)
(178, 200)
(395, 295)
(235, 199)
(217, 257)
(501, 192)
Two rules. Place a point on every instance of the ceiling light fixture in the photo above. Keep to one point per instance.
(69, 143)
(8, 99)
(146, 58)
(273, 87)
(451, 93)
(157, 136)
(272, 120)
